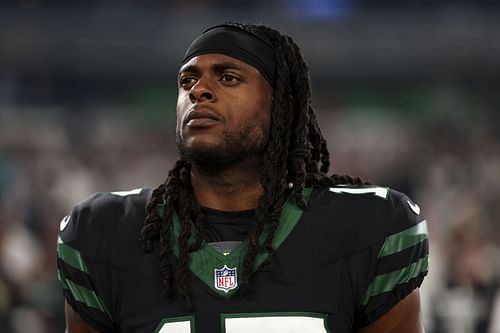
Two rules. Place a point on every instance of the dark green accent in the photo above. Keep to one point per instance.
(83, 294)
(176, 320)
(160, 208)
(323, 316)
(71, 256)
(387, 282)
(404, 239)
(149, 103)
(204, 261)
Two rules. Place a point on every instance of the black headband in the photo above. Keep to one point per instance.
(237, 43)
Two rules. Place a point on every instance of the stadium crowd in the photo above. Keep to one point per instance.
(47, 165)
(63, 138)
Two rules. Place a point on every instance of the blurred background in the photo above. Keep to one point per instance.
(407, 93)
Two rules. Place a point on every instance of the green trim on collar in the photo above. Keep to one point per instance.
(206, 259)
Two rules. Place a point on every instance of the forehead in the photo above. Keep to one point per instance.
(211, 59)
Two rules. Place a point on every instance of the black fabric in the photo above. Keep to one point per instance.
(223, 226)
(324, 266)
(237, 43)
(380, 305)
(399, 260)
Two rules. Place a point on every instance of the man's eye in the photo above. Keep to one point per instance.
(187, 81)
(228, 78)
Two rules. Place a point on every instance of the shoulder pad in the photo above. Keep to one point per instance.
(91, 222)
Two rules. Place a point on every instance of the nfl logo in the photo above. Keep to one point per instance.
(226, 278)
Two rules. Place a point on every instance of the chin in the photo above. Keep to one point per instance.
(203, 144)
(217, 152)
(198, 149)
(212, 157)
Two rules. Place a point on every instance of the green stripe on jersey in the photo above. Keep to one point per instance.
(83, 294)
(404, 239)
(389, 281)
(71, 256)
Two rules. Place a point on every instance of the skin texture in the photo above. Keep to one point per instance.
(225, 138)
(404, 317)
(226, 153)
(75, 323)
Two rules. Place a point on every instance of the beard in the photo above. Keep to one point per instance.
(233, 149)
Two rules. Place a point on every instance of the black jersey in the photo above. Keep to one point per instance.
(339, 265)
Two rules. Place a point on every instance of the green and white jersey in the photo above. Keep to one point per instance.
(338, 266)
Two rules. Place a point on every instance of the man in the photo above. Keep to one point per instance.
(247, 233)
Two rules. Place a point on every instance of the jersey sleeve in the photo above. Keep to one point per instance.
(398, 264)
(82, 265)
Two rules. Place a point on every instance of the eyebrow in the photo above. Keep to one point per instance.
(217, 68)
(221, 67)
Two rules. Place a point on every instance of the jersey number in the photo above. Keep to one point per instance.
(251, 323)
(375, 190)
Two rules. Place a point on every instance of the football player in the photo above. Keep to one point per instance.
(248, 233)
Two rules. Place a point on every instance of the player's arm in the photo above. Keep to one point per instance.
(75, 323)
(396, 269)
(404, 317)
(82, 256)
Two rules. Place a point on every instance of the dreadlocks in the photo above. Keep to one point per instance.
(296, 157)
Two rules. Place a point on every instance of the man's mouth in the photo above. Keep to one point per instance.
(201, 122)
(202, 117)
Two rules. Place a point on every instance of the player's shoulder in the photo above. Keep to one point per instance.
(92, 221)
(370, 200)
(106, 203)
(368, 213)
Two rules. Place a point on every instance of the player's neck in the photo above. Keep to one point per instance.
(231, 189)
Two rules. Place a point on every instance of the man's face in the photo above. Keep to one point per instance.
(223, 110)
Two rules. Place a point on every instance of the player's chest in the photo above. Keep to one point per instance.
(300, 292)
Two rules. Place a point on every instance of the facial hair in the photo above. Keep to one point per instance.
(233, 149)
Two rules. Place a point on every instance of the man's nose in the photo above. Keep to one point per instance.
(201, 92)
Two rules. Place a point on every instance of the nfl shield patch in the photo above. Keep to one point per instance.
(226, 278)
